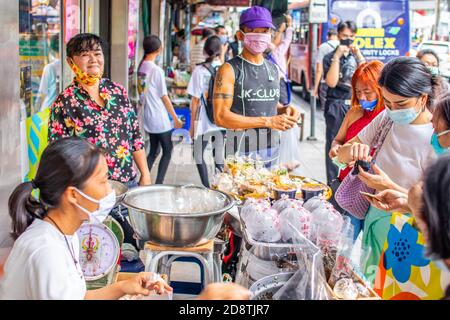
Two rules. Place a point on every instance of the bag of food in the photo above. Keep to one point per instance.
(299, 217)
(262, 224)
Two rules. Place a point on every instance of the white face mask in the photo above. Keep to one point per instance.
(105, 206)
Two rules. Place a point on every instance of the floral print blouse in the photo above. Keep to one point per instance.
(114, 127)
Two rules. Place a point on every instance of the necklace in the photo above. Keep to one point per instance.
(71, 250)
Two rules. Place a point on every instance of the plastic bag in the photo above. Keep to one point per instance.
(309, 282)
(254, 205)
(343, 265)
(315, 203)
(290, 148)
(284, 203)
(299, 217)
(262, 224)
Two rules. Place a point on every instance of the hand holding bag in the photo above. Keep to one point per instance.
(348, 194)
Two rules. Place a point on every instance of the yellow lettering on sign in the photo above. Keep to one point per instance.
(379, 42)
(370, 32)
(368, 43)
(360, 43)
(390, 43)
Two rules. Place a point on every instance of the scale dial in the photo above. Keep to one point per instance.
(99, 250)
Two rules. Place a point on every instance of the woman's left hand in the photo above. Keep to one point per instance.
(379, 180)
(145, 180)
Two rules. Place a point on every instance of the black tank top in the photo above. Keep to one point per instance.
(256, 94)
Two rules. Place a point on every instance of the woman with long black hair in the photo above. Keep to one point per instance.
(408, 91)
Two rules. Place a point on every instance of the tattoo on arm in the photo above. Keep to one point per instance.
(224, 96)
(219, 80)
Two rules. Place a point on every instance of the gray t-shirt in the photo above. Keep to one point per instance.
(325, 48)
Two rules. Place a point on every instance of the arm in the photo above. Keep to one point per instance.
(140, 159)
(195, 106)
(332, 76)
(223, 100)
(319, 75)
(349, 151)
(60, 125)
(168, 104)
(139, 284)
(286, 42)
(340, 137)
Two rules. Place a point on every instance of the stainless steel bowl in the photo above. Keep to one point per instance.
(176, 216)
(120, 189)
(265, 288)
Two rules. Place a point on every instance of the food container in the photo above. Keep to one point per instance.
(289, 191)
(177, 216)
(310, 190)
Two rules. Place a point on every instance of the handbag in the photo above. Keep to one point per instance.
(348, 194)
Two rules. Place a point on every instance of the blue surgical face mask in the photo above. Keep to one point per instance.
(434, 71)
(224, 39)
(403, 116)
(438, 148)
(158, 59)
(368, 105)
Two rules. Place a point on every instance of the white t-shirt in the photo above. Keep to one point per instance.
(198, 85)
(40, 267)
(152, 79)
(405, 153)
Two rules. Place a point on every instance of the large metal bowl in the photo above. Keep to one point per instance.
(154, 215)
(120, 189)
(265, 288)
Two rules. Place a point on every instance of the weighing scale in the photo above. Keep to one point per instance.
(99, 252)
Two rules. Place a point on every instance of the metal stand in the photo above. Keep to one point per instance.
(160, 259)
(313, 98)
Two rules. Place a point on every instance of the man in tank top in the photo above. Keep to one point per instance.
(247, 93)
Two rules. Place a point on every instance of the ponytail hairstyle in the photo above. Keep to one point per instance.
(64, 163)
(151, 44)
(213, 48)
(409, 77)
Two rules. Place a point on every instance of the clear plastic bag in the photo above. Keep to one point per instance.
(299, 217)
(290, 148)
(284, 203)
(308, 282)
(262, 224)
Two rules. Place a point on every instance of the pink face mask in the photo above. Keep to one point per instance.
(257, 43)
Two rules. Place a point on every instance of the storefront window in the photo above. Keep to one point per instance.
(39, 51)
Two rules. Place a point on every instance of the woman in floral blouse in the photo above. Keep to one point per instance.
(98, 110)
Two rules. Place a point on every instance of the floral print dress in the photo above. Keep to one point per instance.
(114, 127)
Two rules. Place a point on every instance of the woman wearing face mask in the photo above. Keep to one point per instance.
(394, 200)
(157, 107)
(431, 60)
(72, 181)
(201, 129)
(367, 103)
(408, 91)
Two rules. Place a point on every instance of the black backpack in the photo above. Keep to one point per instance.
(208, 102)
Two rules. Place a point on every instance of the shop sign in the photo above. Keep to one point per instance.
(318, 11)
